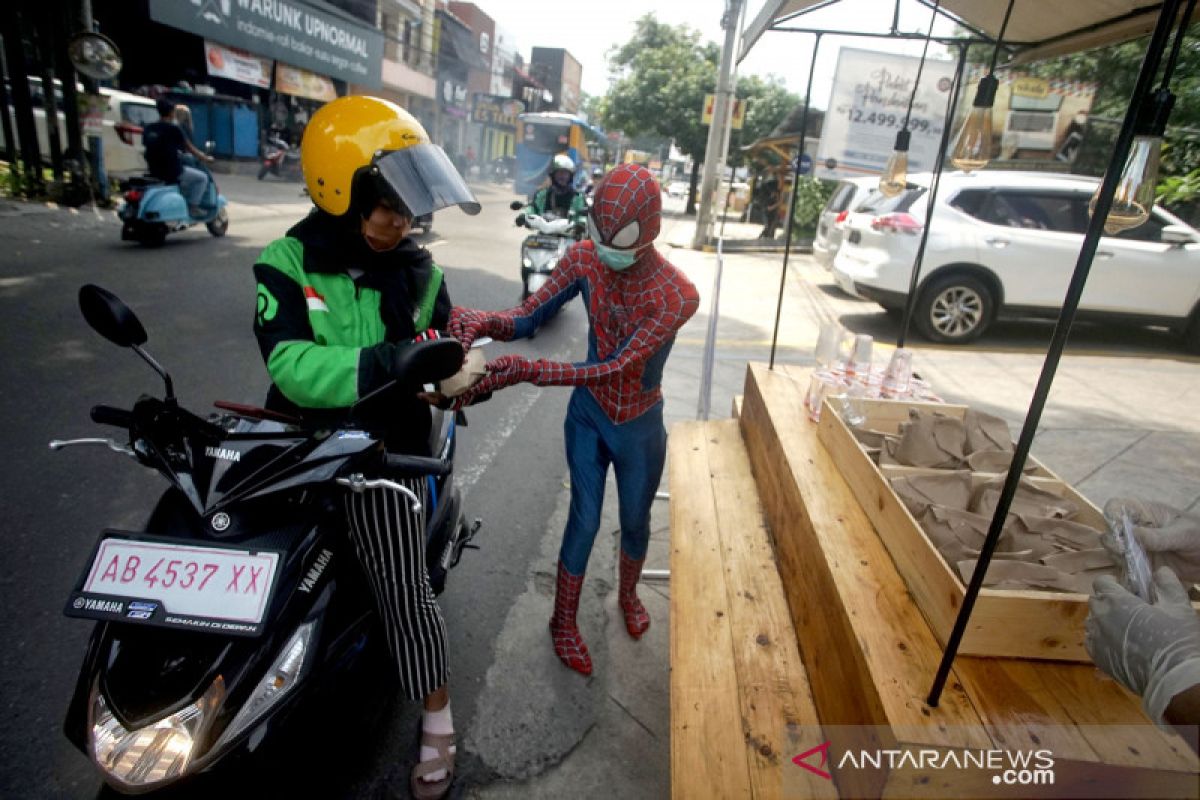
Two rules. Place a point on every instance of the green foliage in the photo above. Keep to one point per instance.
(660, 78)
(811, 196)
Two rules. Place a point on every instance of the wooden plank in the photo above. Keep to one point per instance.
(708, 755)
(737, 406)
(869, 655)
(773, 685)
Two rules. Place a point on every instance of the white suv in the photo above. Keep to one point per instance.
(1006, 243)
(831, 225)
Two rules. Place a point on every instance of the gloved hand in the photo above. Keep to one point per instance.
(503, 371)
(520, 220)
(1152, 650)
(467, 325)
(1170, 537)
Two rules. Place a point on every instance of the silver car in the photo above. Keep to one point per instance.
(831, 225)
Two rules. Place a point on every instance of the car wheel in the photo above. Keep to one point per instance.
(954, 309)
(218, 225)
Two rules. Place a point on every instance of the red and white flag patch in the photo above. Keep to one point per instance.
(314, 300)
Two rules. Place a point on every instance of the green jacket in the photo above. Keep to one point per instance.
(572, 205)
(331, 313)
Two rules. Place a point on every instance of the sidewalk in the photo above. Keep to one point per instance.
(1115, 425)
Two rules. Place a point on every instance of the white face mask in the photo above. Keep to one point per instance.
(613, 258)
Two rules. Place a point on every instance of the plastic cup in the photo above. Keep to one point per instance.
(859, 364)
(829, 345)
(897, 379)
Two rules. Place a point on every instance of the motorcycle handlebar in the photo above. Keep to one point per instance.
(107, 415)
(415, 466)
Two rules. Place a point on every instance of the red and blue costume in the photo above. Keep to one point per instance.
(636, 303)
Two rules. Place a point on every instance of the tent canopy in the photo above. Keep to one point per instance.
(1036, 31)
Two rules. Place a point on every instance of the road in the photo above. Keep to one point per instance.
(195, 298)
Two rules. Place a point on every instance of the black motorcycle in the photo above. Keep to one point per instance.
(241, 596)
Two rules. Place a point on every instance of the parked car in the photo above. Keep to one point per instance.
(124, 119)
(1006, 244)
(831, 224)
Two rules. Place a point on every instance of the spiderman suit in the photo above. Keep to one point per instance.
(636, 302)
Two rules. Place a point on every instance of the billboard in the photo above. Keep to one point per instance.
(871, 91)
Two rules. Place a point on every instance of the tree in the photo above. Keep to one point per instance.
(660, 78)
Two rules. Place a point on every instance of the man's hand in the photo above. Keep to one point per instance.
(1152, 650)
(467, 325)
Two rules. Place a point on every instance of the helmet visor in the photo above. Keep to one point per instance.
(425, 180)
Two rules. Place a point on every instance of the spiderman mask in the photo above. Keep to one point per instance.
(625, 217)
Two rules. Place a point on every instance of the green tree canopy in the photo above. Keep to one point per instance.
(768, 103)
(660, 78)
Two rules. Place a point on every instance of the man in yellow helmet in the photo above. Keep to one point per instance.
(338, 297)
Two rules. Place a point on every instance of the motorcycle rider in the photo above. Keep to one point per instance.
(560, 196)
(164, 140)
(338, 297)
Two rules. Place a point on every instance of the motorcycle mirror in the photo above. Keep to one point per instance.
(116, 322)
(516, 205)
(109, 317)
(428, 362)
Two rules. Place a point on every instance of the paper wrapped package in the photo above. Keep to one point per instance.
(473, 370)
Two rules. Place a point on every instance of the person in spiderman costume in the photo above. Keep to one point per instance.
(636, 302)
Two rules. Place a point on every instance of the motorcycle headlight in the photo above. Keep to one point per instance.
(157, 753)
(527, 262)
(276, 684)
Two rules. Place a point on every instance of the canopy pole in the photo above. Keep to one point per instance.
(787, 245)
(1062, 329)
(934, 183)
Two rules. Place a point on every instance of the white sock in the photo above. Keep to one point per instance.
(436, 722)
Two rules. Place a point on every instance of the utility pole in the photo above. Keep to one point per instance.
(718, 129)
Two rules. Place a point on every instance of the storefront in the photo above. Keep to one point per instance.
(496, 117)
(291, 57)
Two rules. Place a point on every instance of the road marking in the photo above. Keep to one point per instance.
(496, 436)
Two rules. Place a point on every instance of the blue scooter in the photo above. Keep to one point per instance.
(153, 209)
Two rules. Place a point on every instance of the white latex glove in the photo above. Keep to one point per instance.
(1152, 650)
(1170, 537)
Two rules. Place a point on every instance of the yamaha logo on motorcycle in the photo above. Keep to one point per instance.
(207, 635)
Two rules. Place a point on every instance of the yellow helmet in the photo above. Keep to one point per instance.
(356, 134)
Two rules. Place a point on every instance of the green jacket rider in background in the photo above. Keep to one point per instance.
(559, 198)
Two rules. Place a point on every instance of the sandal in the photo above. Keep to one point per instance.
(433, 790)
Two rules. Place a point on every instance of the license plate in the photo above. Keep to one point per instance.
(158, 582)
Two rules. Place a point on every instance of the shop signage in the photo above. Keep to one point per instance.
(237, 65)
(497, 111)
(290, 31)
(91, 113)
(871, 92)
(302, 83)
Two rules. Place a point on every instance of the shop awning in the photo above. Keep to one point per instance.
(1037, 30)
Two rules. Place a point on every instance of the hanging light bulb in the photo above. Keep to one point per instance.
(894, 179)
(1134, 196)
(973, 145)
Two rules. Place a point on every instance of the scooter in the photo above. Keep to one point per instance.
(542, 250)
(152, 209)
(240, 600)
(280, 159)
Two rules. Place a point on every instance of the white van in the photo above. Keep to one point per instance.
(124, 119)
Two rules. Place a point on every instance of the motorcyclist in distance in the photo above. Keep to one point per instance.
(559, 197)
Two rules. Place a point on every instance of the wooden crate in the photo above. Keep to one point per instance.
(870, 656)
(1004, 623)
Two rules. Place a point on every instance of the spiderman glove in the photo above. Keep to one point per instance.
(467, 325)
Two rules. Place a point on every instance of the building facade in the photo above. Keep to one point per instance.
(561, 74)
